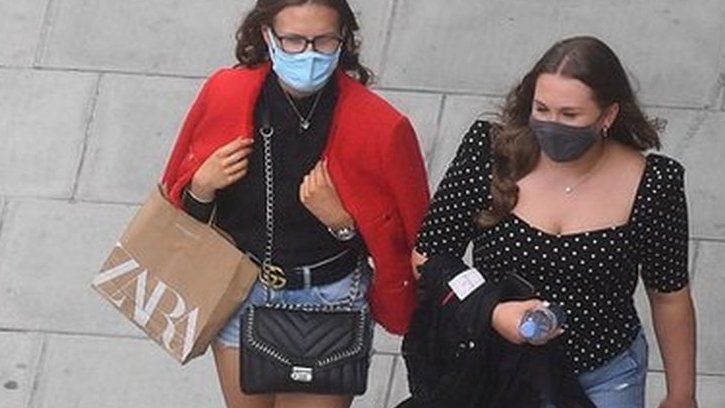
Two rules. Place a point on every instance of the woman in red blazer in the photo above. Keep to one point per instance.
(349, 176)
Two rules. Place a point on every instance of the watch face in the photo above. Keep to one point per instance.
(343, 234)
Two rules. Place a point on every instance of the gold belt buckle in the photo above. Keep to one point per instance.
(273, 276)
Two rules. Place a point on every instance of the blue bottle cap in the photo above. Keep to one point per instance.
(527, 329)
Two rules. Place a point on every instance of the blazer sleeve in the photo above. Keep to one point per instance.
(405, 175)
(181, 160)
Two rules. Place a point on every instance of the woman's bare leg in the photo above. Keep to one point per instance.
(227, 365)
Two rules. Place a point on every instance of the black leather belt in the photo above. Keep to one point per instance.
(321, 273)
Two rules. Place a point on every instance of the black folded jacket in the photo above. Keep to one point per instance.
(455, 359)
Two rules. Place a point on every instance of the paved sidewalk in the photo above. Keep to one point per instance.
(93, 93)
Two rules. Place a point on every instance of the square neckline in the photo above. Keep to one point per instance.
(628, 223)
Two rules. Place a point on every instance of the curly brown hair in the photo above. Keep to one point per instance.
(515, 150)
(251, 49)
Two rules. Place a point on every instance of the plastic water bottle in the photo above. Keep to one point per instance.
(537, 325)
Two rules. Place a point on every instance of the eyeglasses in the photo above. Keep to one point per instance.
(297, 44)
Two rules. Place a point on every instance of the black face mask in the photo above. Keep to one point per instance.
(563, 143)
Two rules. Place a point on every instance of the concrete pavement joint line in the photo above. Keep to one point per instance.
(412, 89)
(701, 117)
(45, 29)
(35, 399)
(76, 334)
(430, 156)
(708, 239)
(722, 90)
(695, 256)
(86, 138)
(80, 201)
(386, 353)
(392, 13)
(391, 378)
(699, 373)
(111, 202)
(102, 71)
(3, 213)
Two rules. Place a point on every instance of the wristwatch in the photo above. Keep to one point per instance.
(344, 233)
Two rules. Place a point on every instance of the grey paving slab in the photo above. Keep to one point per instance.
(423, 109)
(378, 382)
(85, 372)
(693, 138)
(18, 366)
(399, 389)
(679, 123)
(488, 46)
(459, 112)
(374, 17)
(702, 152)
(385, 342)
(187, 38)
(2, 212)
(710, 390)
(136, 122)
(21, 24)
(49, 253)
(708, 286)
(42, 128)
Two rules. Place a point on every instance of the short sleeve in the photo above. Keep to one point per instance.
(664, 228)
(449, 226)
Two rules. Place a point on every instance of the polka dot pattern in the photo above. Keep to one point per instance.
(592, 275)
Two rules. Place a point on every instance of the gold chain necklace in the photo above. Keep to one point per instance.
(304, 121)
(568, 190)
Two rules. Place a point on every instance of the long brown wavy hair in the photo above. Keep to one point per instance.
(515, 150)
(252, 50)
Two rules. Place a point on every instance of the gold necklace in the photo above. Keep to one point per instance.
(568, 190)
(304, 121)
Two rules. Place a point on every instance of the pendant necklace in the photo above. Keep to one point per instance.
(568, 190)
(304, 121)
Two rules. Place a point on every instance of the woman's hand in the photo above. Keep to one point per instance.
(417, 259)
(507, 317)
(318, 195)
(225, 166)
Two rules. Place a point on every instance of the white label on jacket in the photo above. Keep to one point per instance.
(466, 282)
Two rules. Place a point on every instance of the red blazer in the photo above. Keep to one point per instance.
(373, 158)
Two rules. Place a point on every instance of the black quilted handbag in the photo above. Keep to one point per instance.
(318, 352)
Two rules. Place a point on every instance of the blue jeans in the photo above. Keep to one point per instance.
(621, 382)
(333, 294)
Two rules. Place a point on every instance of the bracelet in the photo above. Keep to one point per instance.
(344, 233)
(197, 199)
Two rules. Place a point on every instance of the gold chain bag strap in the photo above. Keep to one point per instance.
(301, 348)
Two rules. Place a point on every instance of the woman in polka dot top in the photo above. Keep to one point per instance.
(561, 192)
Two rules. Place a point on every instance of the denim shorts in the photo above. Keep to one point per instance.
(620, 382)
(334, 294)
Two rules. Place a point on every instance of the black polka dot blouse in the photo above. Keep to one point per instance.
(593, 275)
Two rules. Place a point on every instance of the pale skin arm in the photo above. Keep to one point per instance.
(673, 315)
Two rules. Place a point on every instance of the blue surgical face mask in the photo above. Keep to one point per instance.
(306, 72)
